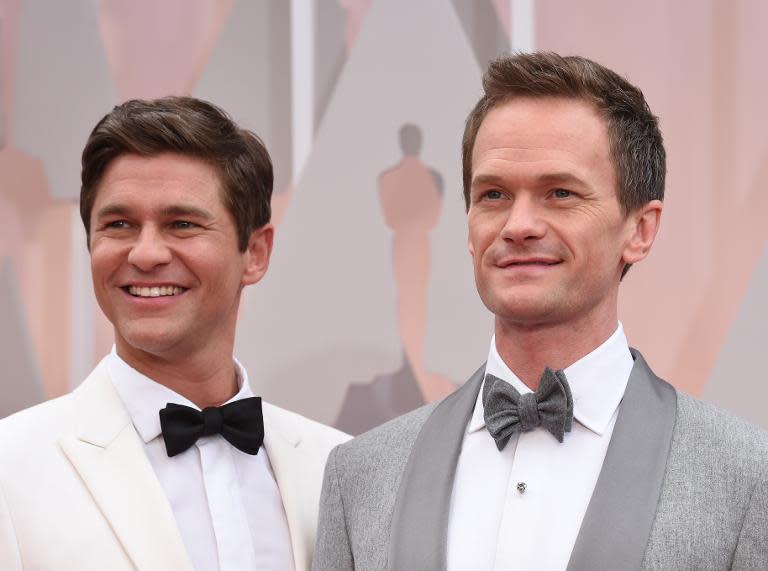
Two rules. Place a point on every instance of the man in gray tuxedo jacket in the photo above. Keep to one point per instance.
(564, 450)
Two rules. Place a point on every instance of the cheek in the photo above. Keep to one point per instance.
(477, 249)
(481, 235)
(102, 262)
(601, 255)
(223, 273)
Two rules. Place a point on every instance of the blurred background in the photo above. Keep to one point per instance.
(369, 307)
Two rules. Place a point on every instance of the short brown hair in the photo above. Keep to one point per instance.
(633, 131)
(191, 127)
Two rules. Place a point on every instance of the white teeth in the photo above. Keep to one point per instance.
(157, 291)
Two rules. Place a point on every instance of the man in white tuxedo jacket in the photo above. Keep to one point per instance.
(564, 450)
(162, 459)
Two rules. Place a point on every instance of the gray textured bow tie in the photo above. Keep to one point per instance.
(507, 411)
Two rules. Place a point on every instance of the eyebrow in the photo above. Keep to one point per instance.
(167, 212)
(186, 211)
(486, 179)
(112, 210)
(550, 178)
(561, 177)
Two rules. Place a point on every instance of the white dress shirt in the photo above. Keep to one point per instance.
(493, 525)
(227, 504)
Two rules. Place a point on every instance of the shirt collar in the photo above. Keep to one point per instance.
(143, 398)
(597, 382)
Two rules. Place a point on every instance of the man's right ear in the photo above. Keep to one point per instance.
(645, 222)
(258, 253)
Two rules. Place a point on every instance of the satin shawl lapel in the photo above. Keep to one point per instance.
(419, 530)
(109, 456)
(298, 474)
(618, 522)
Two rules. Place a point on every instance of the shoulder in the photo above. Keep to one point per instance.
(395, 437)
(366, 471)
(29, 442)
(311, 431)
(54, 418)
(708, 441)
(386, 174)
(707, 430)
(716, 469)
(37, 424)
(34, 433)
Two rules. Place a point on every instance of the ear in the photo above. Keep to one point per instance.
(643, 226)
(470, 245)
(257, 254)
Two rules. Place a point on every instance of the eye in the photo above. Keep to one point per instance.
(561, 193)
(117, 224)
(492, 194)
(183, 224)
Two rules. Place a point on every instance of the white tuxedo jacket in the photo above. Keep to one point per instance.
(77, 491)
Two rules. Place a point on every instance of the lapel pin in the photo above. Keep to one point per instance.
(521, 487)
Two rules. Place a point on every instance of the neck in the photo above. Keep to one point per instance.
(204, 379)
(528, 349)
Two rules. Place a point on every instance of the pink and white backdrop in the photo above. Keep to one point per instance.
(369, 307)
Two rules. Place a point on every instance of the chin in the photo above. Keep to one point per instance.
(153, 342)
(526, 318)
(524, 311)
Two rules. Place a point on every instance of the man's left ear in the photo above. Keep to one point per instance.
(257, 254)
(644, 225)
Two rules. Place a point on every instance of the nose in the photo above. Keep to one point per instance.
(524, 222)
(149, 250)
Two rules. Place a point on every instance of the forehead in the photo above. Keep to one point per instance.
(539, 132)
(148, 180)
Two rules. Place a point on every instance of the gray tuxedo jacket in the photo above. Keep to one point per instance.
(684, 485)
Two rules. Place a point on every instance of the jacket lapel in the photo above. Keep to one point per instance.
(419, 530)
(296, 472)
(109, 456)
(618, 521)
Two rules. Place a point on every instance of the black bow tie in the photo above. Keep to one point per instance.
(239, 422)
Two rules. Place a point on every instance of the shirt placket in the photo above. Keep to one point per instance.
(230, 524)
(516, 548)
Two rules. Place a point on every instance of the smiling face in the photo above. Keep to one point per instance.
(547, 235)
(167, 271)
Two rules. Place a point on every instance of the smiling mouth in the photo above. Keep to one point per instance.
(154, 291)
